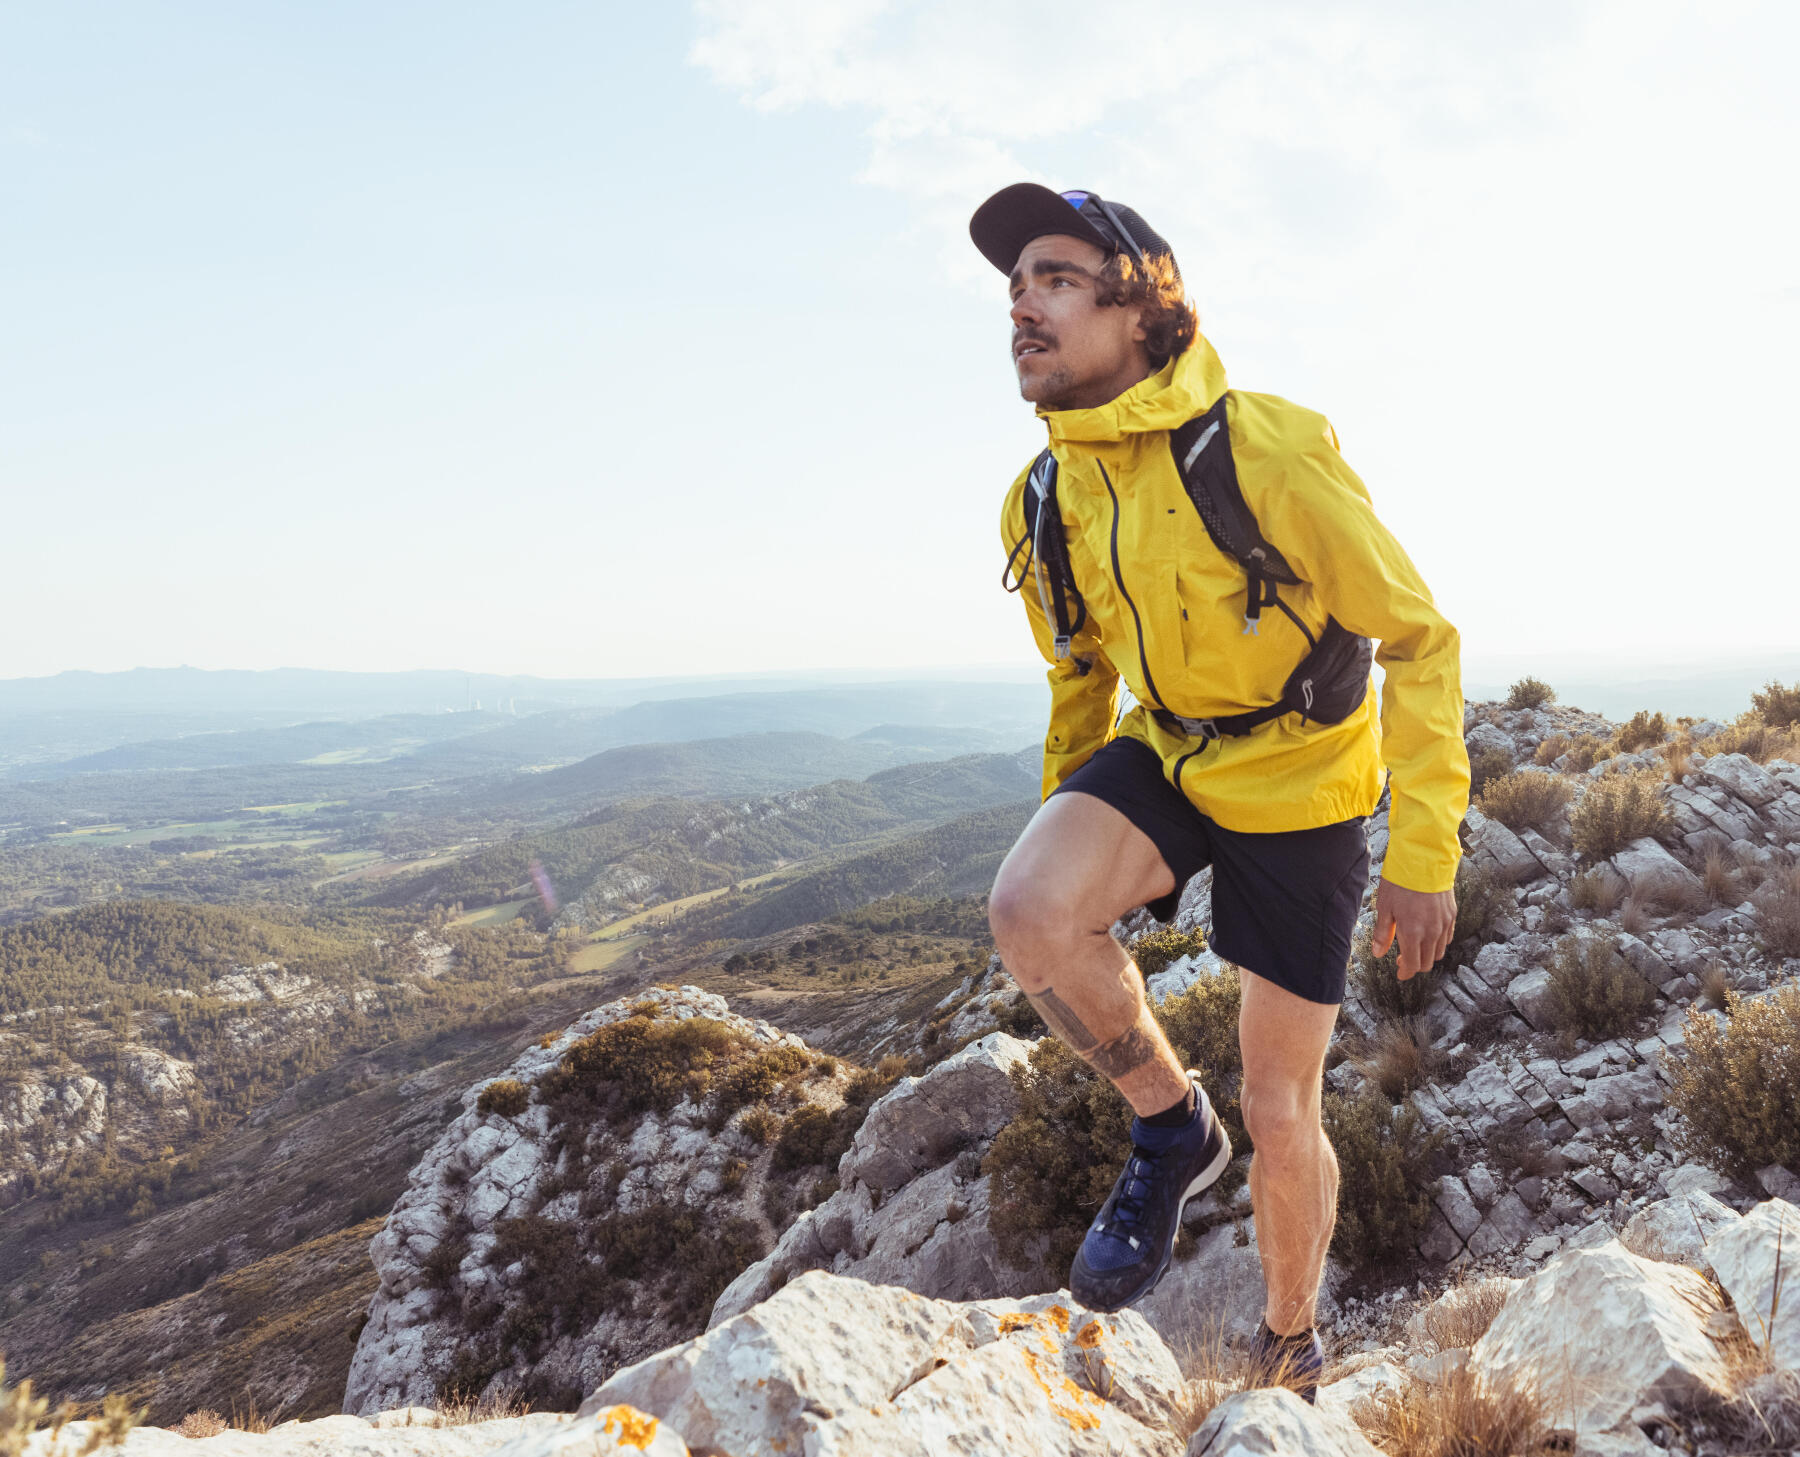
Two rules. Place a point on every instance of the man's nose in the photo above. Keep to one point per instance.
(1025, 309)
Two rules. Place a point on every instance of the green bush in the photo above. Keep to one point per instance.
(1530, 693)
(1384, 1169)
(1595, 992)
(1376, 980)
(1777, 706)
(643, 1062)
(1053, 1165)
(1737, 1085)
(507, 1097)
(1617, 809)
(807, 1137)
(1154, 950)
(752, 1080)
(1529, 799)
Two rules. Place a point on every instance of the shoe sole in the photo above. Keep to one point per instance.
(1199, 1184)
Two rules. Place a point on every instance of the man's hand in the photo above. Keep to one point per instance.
(1422, 920)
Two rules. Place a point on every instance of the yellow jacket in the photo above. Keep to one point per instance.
(1165, 612)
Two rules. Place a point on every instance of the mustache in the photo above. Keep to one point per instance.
(1047, 340)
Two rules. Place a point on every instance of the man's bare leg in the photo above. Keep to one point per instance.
(1294, 1174)
(1078, 867)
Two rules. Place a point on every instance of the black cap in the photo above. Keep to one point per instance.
(1013, 216)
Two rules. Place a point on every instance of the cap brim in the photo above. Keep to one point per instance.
(1013, 216)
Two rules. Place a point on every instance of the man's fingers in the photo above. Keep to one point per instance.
(1384, 931)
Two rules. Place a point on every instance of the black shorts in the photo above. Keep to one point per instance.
(1284, 904)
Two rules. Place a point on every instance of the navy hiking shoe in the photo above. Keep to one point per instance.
(1295, 1361)
(1129, 1244)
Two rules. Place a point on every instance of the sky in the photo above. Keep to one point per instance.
(592, 339)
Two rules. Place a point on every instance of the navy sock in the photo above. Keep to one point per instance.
(1176, 1115)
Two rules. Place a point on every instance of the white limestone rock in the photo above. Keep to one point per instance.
(1599, 1331)
(1276, 1423)
(533, 1435)
(1676, 1229)
(1746, 1257)
(832, 1366)
(1652, 871)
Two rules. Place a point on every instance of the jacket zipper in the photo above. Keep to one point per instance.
(1119, 577)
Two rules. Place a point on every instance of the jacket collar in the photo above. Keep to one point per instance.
(1188, 385)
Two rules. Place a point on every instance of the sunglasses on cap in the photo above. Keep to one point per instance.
(1099, 214)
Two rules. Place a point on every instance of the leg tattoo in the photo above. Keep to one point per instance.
(1060, 1018)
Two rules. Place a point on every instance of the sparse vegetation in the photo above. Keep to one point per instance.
(1719, 878)
(1384, 1163)
(1460, 1317)
(1595, 992)
(1552, 748)
(1530, 693)
(1598, 889)
(1481, 901)
(1778, 706)
(1460, 1416)
(1055, 1163)
(1154, 950)
(1737, 1082)
(1778, 913)
(1755, 737)
(1400, 1058)
(1640, 731)
(1487, 764)
(1617, 809)
(1376, 979)
(1528, 799)
(504, 1097)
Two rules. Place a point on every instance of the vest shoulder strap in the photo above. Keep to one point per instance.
(1203, 459)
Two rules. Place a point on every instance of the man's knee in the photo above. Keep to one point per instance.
(1031, 920)
(1282, 1119)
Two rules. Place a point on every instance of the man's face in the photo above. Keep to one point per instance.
(1070, 353)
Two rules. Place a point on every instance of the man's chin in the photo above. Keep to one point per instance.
(1045, 388)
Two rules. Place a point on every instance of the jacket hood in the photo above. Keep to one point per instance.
(1188, 385)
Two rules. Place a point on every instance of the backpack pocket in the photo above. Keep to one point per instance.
(1332, 680)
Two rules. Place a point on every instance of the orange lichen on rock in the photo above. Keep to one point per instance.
(1060, 1316)
(1014, 1321)
(1066, 1399)
(1090, 1335)
(636, 1428)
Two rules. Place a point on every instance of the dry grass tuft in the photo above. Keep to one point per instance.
(464, 1411)
(1678, 755)
(1216, 1369)
(206, 1423)
(1760, 1412)
(1715, 986)
(1778, 913)
(1461, 1416)
(1599, 890)
(1719, 877)
(1528, 799)
(1594, 992)
(1400, 1058)
(1616, 810)
(1461, 1315)
(1634, 920)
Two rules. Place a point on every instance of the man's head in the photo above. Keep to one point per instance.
(1097, 301)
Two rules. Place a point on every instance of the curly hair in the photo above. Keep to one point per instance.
(1170, 321)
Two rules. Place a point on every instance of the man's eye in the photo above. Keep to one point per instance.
(1066, 282)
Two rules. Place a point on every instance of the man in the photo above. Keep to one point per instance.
(1218, 762)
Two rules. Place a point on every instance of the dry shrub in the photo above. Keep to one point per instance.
(1400, 1057)
(1755, 737)
(1053, 1165)
(199, 1424)
(506, 1097)
(463, 1411)
(1616, 810)
(1384, 1163)
(1587, 751)
(1460, 1416)
(1594, 992)
(1759, 1411)
(1460, 1316)
(1155, 950)
(1486, 764)
(1778, 913)
(1640, 731)
(1719, 878)
(1530, 693)
(1777, 706)
(1738, 1084)
(1217, 1368)
(759, 1125)
(1678, 755)
(1377, 981)
(1599, 889)
(1634, 920)
(1528, 799)
(1550, 750)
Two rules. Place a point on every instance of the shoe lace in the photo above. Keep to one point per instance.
(1130, 1207)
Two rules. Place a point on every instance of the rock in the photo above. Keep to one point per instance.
(834, 1367)
(1598, 1332)
(1501, 851)
(921, 1122)
(1676, 1229)
(1779, 1183)
(1596, 1185)
(1694, 1179)
(1746, 1257)
(1182, 973)
(1276, 1423)
(1652, 871)
(1216, 1292)
(613, 1431)
(1508, 1225)
(1457, 1207)
(538, 1434)
(1533, 996)
(1382, 1379)
(1741, 777)
(1488, 736)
